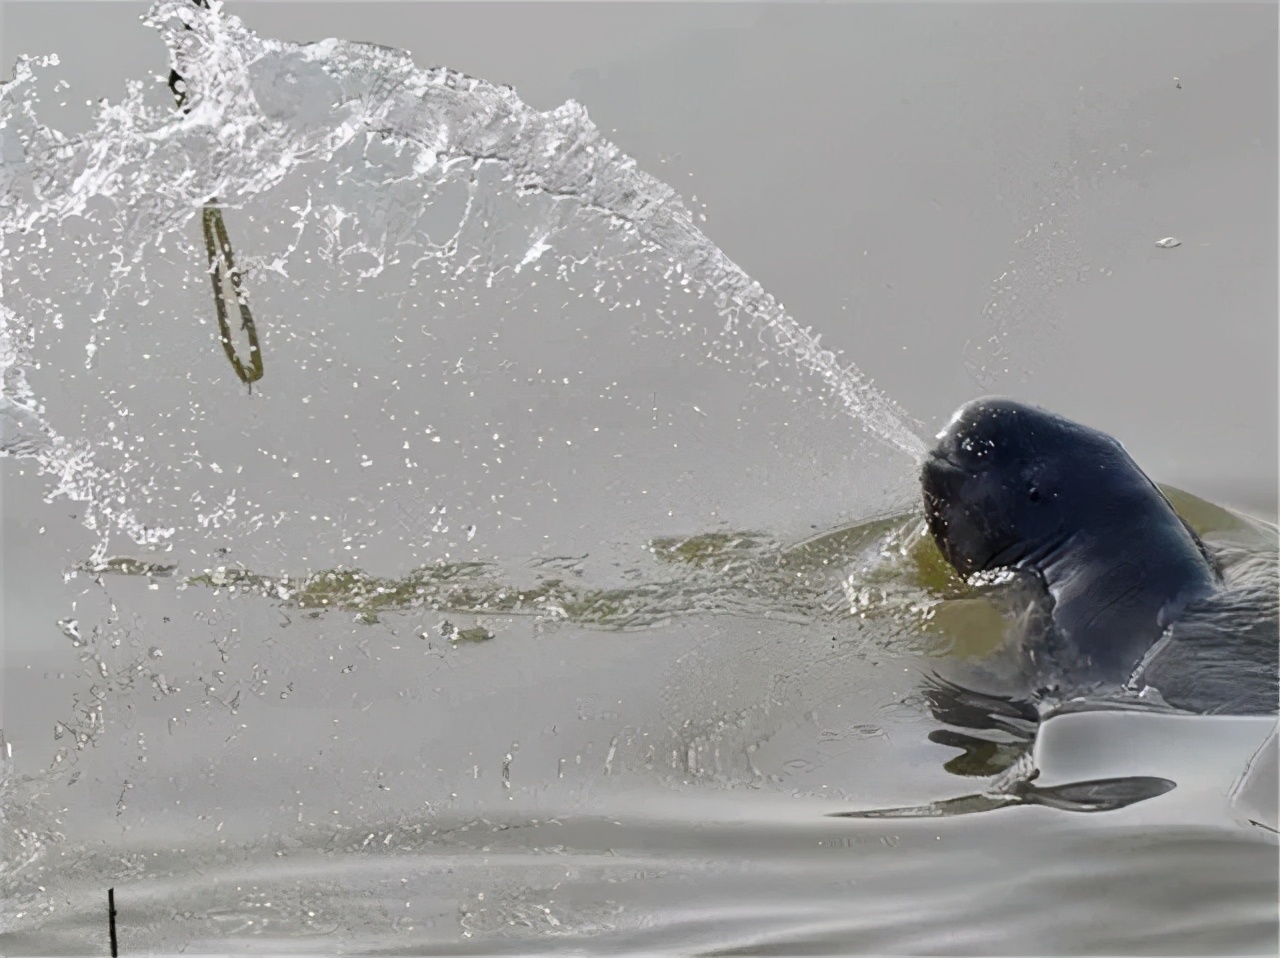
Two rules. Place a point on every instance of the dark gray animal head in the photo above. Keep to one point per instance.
(1012, 486)
(1007, 483)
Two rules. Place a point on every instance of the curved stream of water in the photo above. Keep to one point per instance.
(258, 109)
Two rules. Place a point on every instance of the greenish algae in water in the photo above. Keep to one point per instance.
(885, 567)
(123, 565)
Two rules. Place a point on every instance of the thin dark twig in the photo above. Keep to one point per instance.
(111, 921)
(223, 272)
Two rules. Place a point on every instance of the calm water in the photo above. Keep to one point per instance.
(493, 565)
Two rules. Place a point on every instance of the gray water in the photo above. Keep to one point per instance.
(549, 583)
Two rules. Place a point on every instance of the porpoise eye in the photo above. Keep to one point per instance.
(1033, 493)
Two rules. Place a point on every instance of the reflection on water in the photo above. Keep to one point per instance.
(886, 570)
(1100, 795)
(785, 881)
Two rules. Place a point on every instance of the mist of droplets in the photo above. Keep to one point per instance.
(260, 110)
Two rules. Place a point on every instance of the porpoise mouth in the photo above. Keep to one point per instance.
(943, 455)
(937, 475)
(942, 481)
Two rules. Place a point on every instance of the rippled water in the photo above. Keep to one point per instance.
(439, 570)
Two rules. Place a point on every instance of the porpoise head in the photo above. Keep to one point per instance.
(1008, 483)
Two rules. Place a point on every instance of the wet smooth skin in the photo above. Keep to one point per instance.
(1011, 486)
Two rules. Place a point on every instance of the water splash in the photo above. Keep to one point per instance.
(562, 154)
(257, 109)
